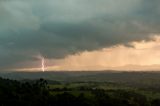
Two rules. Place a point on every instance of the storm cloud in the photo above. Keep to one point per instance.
(57, 28)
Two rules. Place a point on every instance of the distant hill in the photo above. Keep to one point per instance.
(85, 76)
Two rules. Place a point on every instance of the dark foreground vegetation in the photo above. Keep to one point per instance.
(40, 93)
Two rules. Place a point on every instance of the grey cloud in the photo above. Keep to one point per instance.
(56, 28)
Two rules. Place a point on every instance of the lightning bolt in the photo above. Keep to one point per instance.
(43, 64)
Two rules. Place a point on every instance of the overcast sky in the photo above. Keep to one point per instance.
(56, 29)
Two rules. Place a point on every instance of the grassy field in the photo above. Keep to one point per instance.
(86, 88)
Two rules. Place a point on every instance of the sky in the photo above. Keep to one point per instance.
(80, 34)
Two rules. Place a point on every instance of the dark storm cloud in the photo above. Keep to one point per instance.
(57, 28)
